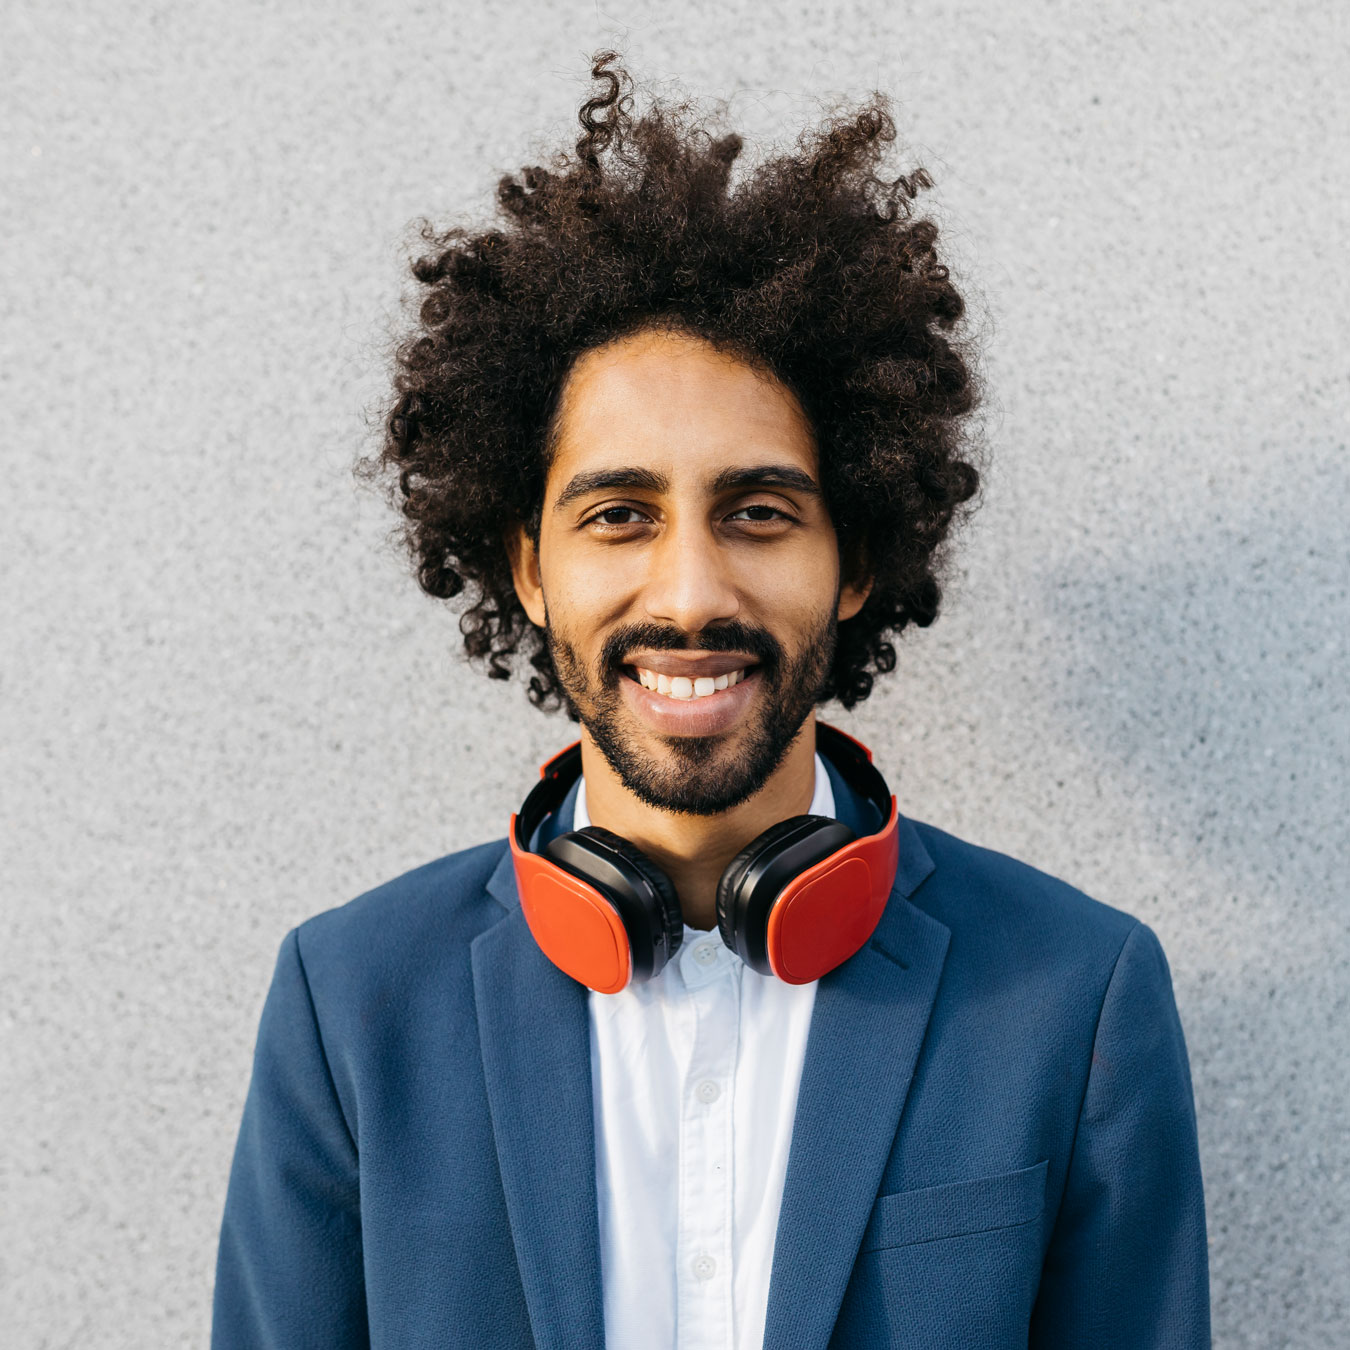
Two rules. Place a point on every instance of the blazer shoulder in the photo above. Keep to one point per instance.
(990, 899)
(440, 906)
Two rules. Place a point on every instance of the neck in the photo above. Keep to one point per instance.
(693, 850)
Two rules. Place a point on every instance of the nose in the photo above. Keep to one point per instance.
(689, 581)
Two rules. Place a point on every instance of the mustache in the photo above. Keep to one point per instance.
(729, 637)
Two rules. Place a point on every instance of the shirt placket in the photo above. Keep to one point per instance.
(704, 1287)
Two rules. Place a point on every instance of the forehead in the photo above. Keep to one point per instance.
(675, 402)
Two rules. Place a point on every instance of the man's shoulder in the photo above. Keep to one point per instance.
(1003, 909)
(438, 907)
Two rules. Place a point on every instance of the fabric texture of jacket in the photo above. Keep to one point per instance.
(994, 1143)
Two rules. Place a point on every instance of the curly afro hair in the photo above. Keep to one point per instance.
(811, 267)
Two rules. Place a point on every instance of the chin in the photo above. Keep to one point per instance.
(692, 775)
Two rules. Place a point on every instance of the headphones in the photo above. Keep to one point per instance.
(795, 902)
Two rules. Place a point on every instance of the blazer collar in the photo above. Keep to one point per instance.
(534, 1035)
(867, 1027)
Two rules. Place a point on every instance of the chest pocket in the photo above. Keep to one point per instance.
(951, 1267)
(977, 1206)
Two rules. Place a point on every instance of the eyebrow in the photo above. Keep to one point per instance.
(756, 475)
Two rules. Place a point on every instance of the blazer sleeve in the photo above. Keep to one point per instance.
(1127, 1262)
(288, 1270)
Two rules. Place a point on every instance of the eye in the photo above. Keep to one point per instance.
(612, 516)
(772, 512)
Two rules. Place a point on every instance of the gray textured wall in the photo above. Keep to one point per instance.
(223, 706)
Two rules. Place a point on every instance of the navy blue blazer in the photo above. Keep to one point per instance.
(994, 1143)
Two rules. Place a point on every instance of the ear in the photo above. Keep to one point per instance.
(524, 558)
(852, 598)
(853, 593)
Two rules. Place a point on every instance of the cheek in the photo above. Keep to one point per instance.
(804, 580)
(582, 590)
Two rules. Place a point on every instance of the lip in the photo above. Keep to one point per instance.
(715, 712)
(692, 664)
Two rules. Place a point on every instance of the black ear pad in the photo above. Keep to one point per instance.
(671, 917)
(754, 878)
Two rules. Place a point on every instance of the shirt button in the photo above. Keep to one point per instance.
(705, 954)
(704, 1266)
(709, 1091)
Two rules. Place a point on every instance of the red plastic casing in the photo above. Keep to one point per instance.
(574, 925)
(812, 926)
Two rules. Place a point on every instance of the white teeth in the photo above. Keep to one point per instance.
(683, 687)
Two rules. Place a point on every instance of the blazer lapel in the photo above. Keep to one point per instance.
(867, 1027)
(534, 1033)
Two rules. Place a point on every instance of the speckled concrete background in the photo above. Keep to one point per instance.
(225, 707)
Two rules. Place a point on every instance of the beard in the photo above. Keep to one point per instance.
(700, 775)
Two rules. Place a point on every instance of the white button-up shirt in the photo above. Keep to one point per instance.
(695, 1077)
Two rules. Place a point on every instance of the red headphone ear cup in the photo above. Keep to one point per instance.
(731, 910)
(671, 916)
(753, 879)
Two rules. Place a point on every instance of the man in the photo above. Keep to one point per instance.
(716, 1049)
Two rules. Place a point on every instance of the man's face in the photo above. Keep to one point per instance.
(685, 545)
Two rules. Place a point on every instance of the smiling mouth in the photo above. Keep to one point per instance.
(684, 687)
